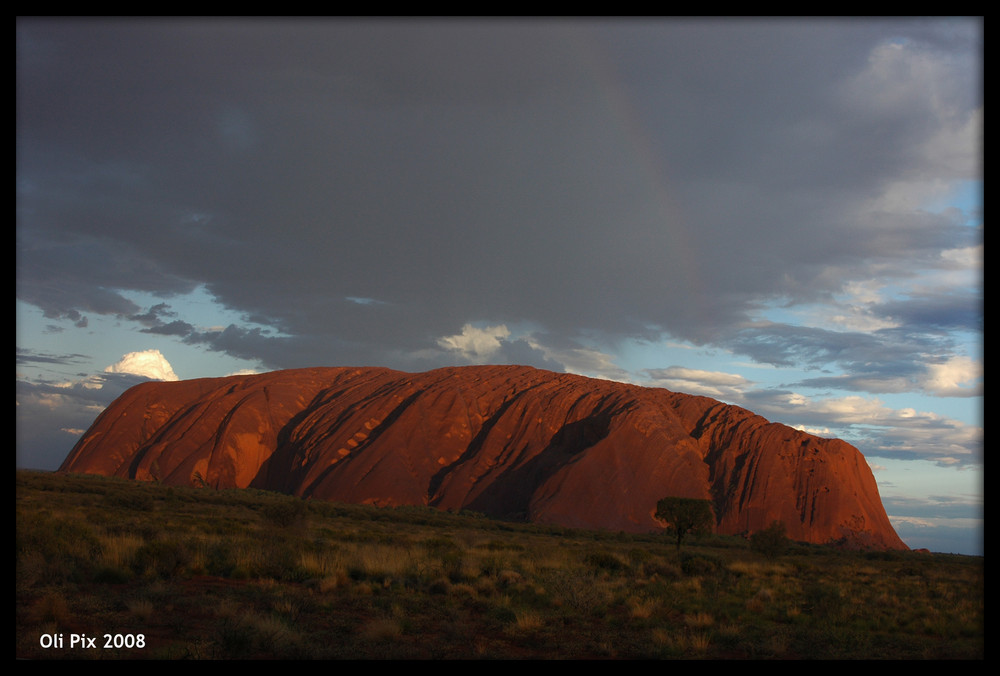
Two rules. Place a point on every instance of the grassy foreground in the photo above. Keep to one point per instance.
(111, 569)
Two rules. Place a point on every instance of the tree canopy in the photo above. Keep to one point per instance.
(685, 515)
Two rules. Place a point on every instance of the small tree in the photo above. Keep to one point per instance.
(685, 515)
(771, 542)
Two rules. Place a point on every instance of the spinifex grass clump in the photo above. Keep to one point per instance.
(206, 574)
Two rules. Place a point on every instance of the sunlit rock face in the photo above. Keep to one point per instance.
(509, 441)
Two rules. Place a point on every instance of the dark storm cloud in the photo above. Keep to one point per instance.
(153, 321)
(937, 312)
(787, 345)
(174, 328)
(883, 361)
(855, 351)
(612, 179)
(254, 343)
(27, 356)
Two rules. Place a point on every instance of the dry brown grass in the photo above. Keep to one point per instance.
(526, 622)
(207, 575)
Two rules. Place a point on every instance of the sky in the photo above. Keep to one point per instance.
(782, 214)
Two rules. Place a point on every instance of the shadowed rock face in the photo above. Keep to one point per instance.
(508, 441)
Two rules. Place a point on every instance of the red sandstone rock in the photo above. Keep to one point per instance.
(508, 441)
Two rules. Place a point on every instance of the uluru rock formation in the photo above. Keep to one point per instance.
(508, 441)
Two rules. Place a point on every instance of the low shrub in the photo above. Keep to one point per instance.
(605, 561)
(771, 541)
(285, 514)
(700, 565)
(162, 558)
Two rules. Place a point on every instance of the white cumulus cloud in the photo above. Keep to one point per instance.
(957, 377)
(476, 343)
(149, 363)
